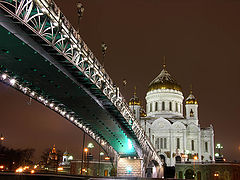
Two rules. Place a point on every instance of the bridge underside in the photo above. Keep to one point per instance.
(46, 72)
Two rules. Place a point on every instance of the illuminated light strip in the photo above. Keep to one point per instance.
(6, 78)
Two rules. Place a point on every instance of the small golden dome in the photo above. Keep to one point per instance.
(134, 100)
(164, 81)
(191, 99)
(142, 112)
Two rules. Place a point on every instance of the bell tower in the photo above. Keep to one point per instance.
(192, 108)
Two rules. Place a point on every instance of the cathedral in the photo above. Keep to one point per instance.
(173, 130)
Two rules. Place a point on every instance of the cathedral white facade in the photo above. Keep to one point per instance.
(176, 136)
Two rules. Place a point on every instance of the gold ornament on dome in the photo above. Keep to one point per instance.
(164, 81)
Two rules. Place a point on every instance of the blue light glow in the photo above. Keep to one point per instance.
(130, 144)
(129, 169)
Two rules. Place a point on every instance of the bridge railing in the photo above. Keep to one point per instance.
(46, 20)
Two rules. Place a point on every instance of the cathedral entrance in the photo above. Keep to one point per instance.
(189, 174)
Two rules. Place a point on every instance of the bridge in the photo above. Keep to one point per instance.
(44, 57)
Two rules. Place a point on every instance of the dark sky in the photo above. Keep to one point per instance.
(201, 42)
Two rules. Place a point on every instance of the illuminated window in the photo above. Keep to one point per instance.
(191, 113)
(192, 143)
(105, 172)
(156, 106)
(163, 105)
(178, 143)
(170, 106)
(206, 146)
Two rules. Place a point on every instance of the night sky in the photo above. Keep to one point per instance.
(201, 42)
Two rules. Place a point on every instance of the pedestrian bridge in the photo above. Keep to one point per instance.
(44, 57)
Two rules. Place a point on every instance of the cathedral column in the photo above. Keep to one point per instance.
(184, 142)
(199, 146)
(171, 147)
(212, 149)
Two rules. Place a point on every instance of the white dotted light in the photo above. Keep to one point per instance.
(56, 108)
(32, 93)
(12, 81)
(4, 76)
(71, 118)
(51, 105)
(67, 116)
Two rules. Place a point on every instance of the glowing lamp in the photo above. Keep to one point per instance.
(129, 169)
(12, 81)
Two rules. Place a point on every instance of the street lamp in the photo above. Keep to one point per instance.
(2, 139)
(80, 10)
(219, 147)
(194, 159)
(100, 155)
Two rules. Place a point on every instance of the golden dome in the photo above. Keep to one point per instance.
(164, 81)
(191, 99)
(134, 100)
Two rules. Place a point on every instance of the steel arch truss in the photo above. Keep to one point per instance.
(46, 21)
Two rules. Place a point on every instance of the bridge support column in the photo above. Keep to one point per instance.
(129, 167)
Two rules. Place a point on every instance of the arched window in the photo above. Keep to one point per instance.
(150, 107)
(192, 144)
(176, 107)
(191, 113)
(156, 106)
(170, 106)
(163, 106)
(206, 146)
(178, 143)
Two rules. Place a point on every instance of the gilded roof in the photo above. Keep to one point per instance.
(164, 81)
(134, 100)
(191, 99)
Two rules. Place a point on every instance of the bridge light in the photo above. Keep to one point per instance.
(129, 169)
(4, 76)
(12, 82)
(46, 101)
(32, 93)
(130, 144)
(56, 108)
(63, 113)
(51, 105)
(71, 118)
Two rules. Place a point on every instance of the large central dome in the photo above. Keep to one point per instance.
(164, 97)
(164, 81)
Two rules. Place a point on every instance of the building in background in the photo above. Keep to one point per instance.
(176, 136)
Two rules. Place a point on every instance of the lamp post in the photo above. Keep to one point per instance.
(99, 158)
(86, 151)
(80, 10)
(104, 49)
(219, 147)
(194, 159)
(84, 134)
